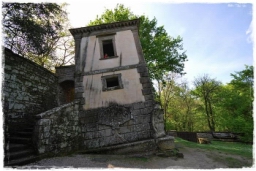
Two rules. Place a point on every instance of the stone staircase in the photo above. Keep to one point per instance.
(19, 146)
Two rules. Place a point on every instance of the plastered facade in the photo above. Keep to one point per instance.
(125, 49)
(130, 93)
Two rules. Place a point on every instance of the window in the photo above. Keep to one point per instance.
(111, 82)
(107, 46)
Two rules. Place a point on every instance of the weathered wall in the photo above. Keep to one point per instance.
(65, 73)
(28, 88)
(116, 124)
(125, 49)
(131, 92)
(58, 130)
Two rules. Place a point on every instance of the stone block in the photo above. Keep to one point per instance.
(147, 91)
(144, 134)
(105, 133)
(124, 129)
(131, 136)
(63, 144)
(136, 112)
(46, 134)
(41, 149)
(149, 97)
(146, 111)
(166, 143)
(144, 74)
(141, 69)
(138, 106)
(149, 103)
(79, 89)
(144, 80)
(44, 122)
(142, 127)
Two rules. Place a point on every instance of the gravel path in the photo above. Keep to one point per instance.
(193, 159)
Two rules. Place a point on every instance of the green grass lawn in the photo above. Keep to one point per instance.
(228, 147)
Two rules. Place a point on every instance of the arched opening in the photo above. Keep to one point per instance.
(67, 92)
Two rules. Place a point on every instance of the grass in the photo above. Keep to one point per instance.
(237, 148)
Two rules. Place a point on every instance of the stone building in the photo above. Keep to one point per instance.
(105, 99)
(112, 84)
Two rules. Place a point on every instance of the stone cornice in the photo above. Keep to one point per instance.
(114, 69)
(108, 26)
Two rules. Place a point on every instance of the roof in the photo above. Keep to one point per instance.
(134, 22)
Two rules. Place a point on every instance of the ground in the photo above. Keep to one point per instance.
(194, 158)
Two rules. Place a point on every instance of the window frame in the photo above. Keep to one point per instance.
(102, 38)
(104, 82)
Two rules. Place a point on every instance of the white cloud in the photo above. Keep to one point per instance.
(249, 33)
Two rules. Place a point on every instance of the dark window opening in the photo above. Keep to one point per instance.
(108, 48)
(67, 93)
(112, 82)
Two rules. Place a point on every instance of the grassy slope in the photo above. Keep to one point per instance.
(228, 147)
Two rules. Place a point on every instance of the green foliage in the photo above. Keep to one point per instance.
(229, 106)
(26, 25)
(162, 52)
(206, 89)
(235, 104)
(35, 31)
(120, 13)
(178, 104)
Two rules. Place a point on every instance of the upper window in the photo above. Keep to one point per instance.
(107, 46)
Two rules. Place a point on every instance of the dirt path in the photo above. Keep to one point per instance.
(193, 159)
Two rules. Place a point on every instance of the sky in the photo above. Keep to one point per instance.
(217, 37)
(217, 34)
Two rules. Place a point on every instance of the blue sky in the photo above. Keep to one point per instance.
(216, 36)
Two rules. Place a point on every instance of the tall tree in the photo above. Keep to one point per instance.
(235, 104)
(33, 30)
(206, 89)
(180, 113)
(188, 106)
(166, 93)
(162, 52)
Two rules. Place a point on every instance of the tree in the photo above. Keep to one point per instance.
(33, 30)
(162, 52)
(188, 107)
(206, 89)
(181, 105)
(167, 90)
(235, 104)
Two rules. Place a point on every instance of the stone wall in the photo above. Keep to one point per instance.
(28, 88)
(65, 73)
(116, 124)
(58, 130)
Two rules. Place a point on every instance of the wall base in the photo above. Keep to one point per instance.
(149, 146)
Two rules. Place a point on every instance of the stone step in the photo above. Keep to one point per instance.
(21, 161)
(20, 140)
(17, 147)
(29, 129)
(18, 154)
(24, 134)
